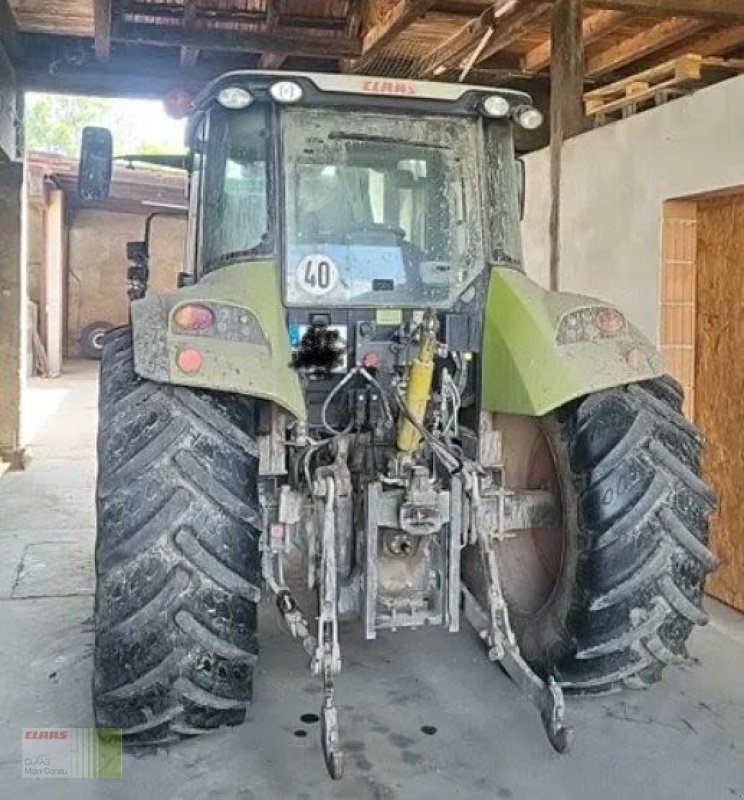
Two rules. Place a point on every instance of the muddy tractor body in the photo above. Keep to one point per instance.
(357, 394)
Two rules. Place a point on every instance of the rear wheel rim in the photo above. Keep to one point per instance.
(531, 561)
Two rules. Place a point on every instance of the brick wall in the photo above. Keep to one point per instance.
(677, 294)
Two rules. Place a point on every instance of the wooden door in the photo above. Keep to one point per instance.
(719, 382)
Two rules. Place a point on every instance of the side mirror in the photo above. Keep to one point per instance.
(521, 185)
(94, 177)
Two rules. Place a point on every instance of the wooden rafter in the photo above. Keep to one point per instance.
(593, 27)
(354, 18)
(456, 48)
(712, 44)
(102, 23)
(566, 108)
(234, 40)
(722, 10)
(658, 36)
(189, 55)
(400, 16)
(271, 59)
(272, 14)
(510, 29)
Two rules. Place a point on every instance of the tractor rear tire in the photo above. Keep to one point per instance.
(177, 558)
(635, 523)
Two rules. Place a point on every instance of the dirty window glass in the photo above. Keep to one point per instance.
(380, 209)
(235, 218)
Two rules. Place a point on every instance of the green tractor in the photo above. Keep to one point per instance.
(356, 395)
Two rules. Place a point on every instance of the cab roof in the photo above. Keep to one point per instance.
(362, 91)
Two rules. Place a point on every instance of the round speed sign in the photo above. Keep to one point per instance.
(317, 274)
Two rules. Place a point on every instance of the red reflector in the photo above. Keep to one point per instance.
(636, 358)
(189, 360)
(371, 360)
(193, 318)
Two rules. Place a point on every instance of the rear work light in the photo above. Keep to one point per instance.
(496, 106)
(286, 92)
(528, 117)
(234, 97)
(193, 317)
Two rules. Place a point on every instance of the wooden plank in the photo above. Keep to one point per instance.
(354, 18)
(686, 67)
(566, 108)
(640, 97)
(102, 19)
(237, 40)
(593, 27)
(189, 55)
(719, 376)
(713, 44)
(272, 14)
(457, 46)
(722, 10)
(396, 20)
(506, 31)
(648, 41)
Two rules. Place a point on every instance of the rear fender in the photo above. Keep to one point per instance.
(246, 351)
(530, 366)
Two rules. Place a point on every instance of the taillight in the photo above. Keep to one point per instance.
(193, 318)
(589, 324)
(610, 321)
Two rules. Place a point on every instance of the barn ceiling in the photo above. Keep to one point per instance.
(140, 46)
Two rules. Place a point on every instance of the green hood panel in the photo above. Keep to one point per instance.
(525, 370)
(259, 367)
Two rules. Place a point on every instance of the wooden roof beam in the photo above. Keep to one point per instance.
(234, 40)
(712, 44)
(272, 14)
(376, 37)
(648, 41)
(354, 18)
(189, 55)
(102, 27)
(400, 16)
(566, 109)
(474, 33)
(721, 10)
(593, 27)
(510, 29)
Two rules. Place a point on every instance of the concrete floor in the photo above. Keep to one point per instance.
(681, 739)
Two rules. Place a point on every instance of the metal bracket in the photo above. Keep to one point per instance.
(327, 658)
(496, 631)
(506, 511)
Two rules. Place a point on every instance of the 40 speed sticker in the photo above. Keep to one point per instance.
(317, 274)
